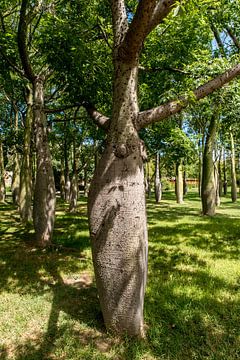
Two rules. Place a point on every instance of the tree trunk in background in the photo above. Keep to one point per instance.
(216, 176)
(148, 178)
(179, 183)
(220, 181)
(44, 194)
(200, 165)
(62, 181)
(208, 179)
(66, 166)
(2, 172)
(224, 173)
(25, 194)
(15, 187)
(157, 183)
(185, 185)
(117, 214)
(233, 170)
(74, 182)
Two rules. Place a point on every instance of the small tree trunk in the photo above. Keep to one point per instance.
(15, 187)
(224, 173)
(208, 179)
(148, 182)
(216, 176)
(158, 185)
(185, 185)
(233, 170)
(44, 194)
(74, 183)
(62, 182)
(25, 194)
(179, 183)
(2, 173)
(220, 181)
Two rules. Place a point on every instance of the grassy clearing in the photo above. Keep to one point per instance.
(48, 300)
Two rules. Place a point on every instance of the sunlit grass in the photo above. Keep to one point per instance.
(48, 301)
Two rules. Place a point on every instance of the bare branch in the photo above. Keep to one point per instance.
(233, 37)
(166, 68)
(10, 63)
(218, 39)
(173, 107)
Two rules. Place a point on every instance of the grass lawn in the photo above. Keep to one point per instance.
(48, 300)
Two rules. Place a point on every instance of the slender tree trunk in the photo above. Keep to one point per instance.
(15, 187)
(208, 179)
(2, 172)
(74, 182)
(25, 194)
(62, 181)
(44, 194)
(158, 185)
(149, 190)
(220, 183)
(185, 185)
(67, 177)
(216, 176)
(233, 170)
(179, 183)
(117, 214)
(224, 173)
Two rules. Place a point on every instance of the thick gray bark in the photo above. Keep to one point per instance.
(157, 183)
(233, 170)
(44, 193)
(25, 194)
(208, 179)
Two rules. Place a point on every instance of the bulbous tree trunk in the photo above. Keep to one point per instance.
(179, 183)
(44, 192)
(25, 193)
(208, 178)
(233, 170)
(117, 214)
(2, 172)
(157, 183)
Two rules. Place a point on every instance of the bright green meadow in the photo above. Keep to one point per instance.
(48, 300)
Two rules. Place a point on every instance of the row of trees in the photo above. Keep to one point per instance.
(126, 58)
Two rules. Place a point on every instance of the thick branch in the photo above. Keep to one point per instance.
(138, 30)
(22, 41)
(173, 107)
(120, 22)
(98, 118)
(161, 11)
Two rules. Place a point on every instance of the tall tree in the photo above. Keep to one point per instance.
(116, 206)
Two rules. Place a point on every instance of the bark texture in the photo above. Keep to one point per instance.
(44, 194)
(208, 178)
(233, 170)
(15, 186)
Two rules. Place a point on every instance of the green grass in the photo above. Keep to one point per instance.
(48, 300)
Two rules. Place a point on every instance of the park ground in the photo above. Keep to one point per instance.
(48, 300)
